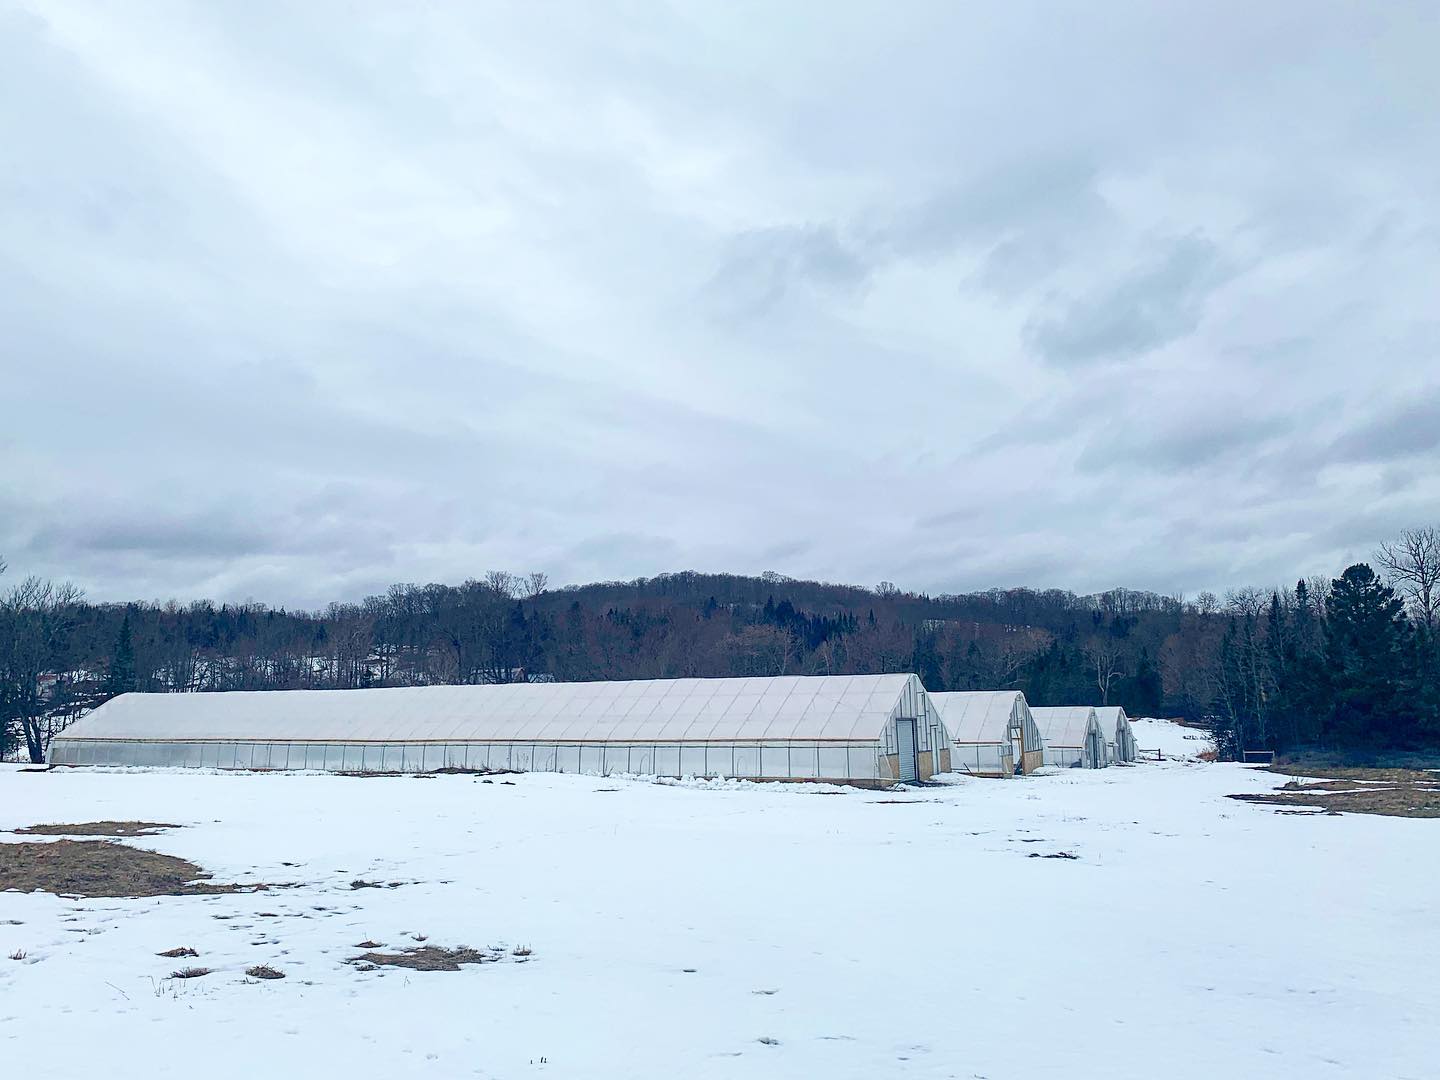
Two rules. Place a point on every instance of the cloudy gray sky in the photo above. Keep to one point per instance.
(299, 300)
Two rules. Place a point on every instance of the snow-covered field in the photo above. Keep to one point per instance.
(674, 927)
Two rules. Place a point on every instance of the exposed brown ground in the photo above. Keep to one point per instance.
(92, 868)
(1390, 792)
(98, 828)
(428, 958)
(1351, 772)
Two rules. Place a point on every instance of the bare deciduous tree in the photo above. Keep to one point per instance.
(759, 650)
(1412, 563)
(1106, 660)
(36, 618)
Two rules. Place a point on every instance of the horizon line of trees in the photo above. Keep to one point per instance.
(1350, 663)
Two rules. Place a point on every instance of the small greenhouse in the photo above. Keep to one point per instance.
(1119, 737)
(992, 733)
(1072, 736)
(860, 729)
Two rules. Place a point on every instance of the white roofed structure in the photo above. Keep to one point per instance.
(1072, 736)
(1119, 738)
(849, 728)
(992, 732)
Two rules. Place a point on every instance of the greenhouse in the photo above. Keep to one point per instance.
(862, 729)
(1073, 738)
(1119, 736)
(992, 733)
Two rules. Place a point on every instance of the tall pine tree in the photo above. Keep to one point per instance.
(1365, 645)
(120, 677)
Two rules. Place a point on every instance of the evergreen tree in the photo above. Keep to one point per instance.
(1366, 639)
(1142, 694)
(925, 662)
(120, 676)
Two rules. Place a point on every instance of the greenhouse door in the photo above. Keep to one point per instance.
(905, 743)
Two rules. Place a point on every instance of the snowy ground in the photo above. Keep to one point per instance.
(1170, 738)
(673, 928)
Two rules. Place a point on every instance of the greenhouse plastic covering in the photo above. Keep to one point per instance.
(983, 726)
(1072, 736)
(787, 726)
(1115, 726)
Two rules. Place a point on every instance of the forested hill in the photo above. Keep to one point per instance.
(1338, 662)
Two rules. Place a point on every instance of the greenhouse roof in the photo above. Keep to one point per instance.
(840, 708)
(979, 716)
(1065, 725)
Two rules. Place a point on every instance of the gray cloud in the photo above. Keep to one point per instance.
(763, 266)
(1149, 306)
(1177, 445)
(1404, 430)
(1031, 203)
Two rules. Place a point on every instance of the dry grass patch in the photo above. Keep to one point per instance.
(1352, 772)
(98, 828)
(95, 868)
(178, 953)
(429, 958)
(264, 971)
(190, 973)
(1413, 793)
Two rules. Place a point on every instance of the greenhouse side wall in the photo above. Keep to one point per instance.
(846, 762)
(1066, 757)
(982, 759)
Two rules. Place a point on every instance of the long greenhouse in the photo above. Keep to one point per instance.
(858, 729)
(1072, 735)
(1119, 736)
(992, 733)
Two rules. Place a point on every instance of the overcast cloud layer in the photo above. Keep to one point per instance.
(299, 300)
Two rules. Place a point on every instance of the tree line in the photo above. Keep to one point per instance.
(1345, 663)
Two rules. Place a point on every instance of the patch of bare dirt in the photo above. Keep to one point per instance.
(92, 868)
(1413, 793)
(1329, 785)
(98, 828)
(1339, 772)
(428, 958)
